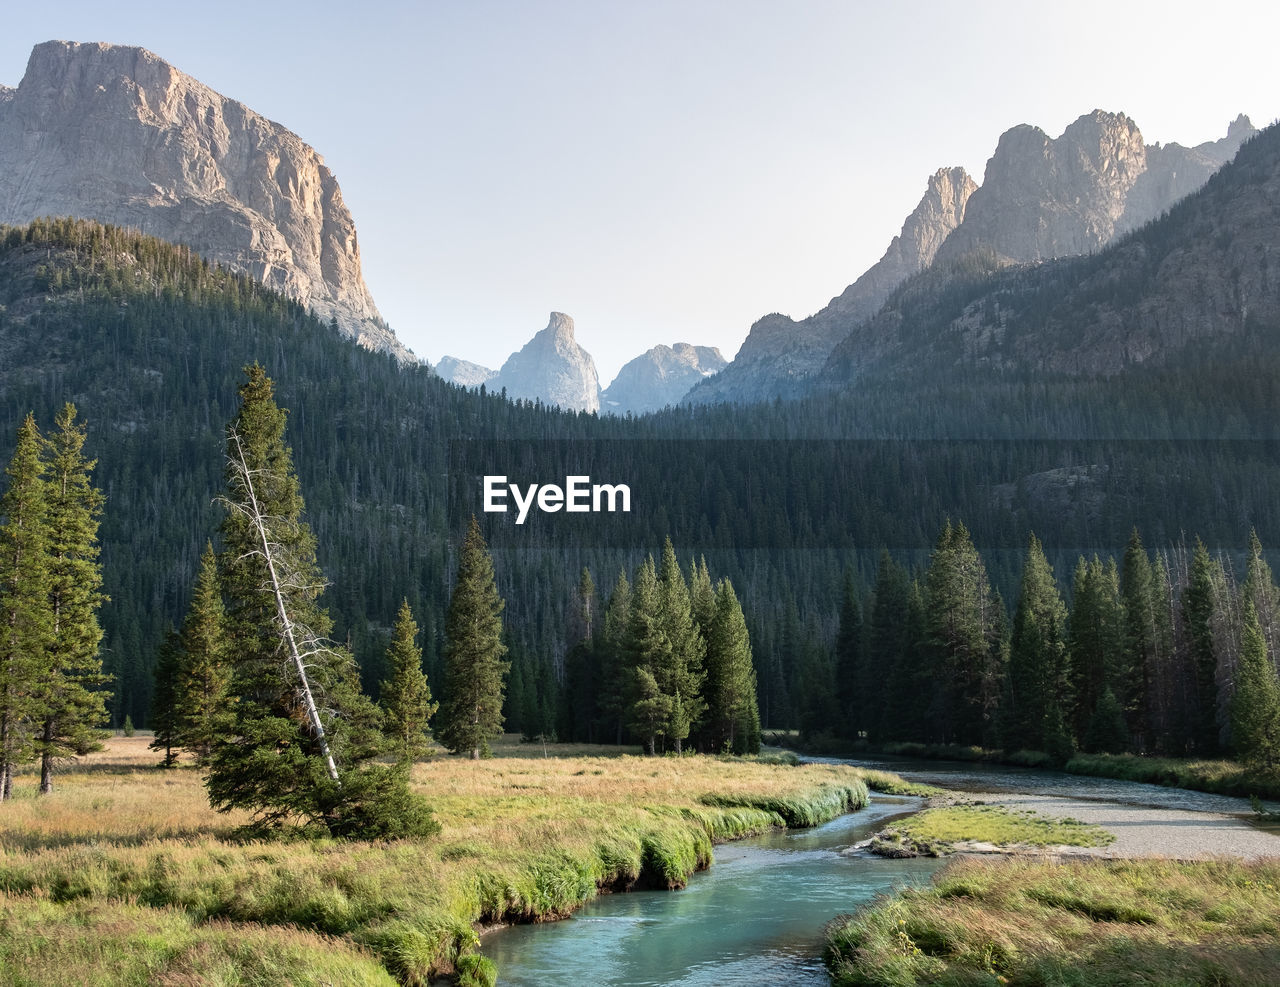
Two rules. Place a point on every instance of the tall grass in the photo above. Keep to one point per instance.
(524, 839)
(1082, 923)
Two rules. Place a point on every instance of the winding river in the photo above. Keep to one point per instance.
(756, 916)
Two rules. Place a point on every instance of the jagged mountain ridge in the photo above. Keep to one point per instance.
(1041, 198)
(1206, 271)
(116, 134)
(464, 373)
(660, 377)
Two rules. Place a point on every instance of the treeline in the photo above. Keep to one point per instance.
(666, 662)
(1160, 653)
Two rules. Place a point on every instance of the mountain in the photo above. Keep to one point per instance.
(1204, 274)
(660, 377)
(463, 372)
(1041, 198)
(115, 133)
(552, 368)
(780, 354)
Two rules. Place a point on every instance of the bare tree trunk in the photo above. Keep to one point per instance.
(282, 613)
(46, 761)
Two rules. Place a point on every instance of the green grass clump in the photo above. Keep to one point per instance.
(809, 808)
(934, 831)
(1084, 923)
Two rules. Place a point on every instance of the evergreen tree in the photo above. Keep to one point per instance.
(733, 715)
(958, 626)
(1038, 690)
(299, 739)
(471, 712)
(1095, 638)
(892, 681)
(848, 664)
(71, 699)
(1133, 683)
(647, 650)
(1255, 707)
(165, 720)
(1106, 732)
(1199, 604)
(26, 617)
(681, 678)
(615, 669)
(203, 665)
(406, 696)
(1260, 588)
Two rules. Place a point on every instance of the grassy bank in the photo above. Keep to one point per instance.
(524, 839)
(1083, 923)
(1221, 777)
(936, 832)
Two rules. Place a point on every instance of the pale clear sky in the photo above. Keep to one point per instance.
(666, 170)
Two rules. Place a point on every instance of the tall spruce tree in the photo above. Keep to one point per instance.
(1255, 706)
(958, 631)
(164, 717)
(850, 695)
(299, 738)
(615, 669)
(1095, 637)
(26, 613)
(682, 677)
(1038, 687)
(1200, 607)
(647, 650)
(71, 696)
(406, 696)
(474, 669)
(203, 673)
(1133, 683)
(733, 716)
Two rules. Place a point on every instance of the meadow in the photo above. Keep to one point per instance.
(124, 875)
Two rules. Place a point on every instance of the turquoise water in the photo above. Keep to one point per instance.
(755, 917)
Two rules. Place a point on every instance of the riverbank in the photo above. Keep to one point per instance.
(524, 839)
(1083, 922)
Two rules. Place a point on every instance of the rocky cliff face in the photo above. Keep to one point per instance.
(552, 367)
(660, 377)
(780, 354)
(463, 372)
(1041, 198)
(116, 134)
(1207, 271)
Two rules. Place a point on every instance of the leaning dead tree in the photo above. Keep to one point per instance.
(298, 641)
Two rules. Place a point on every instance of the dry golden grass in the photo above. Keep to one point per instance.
(524, 838)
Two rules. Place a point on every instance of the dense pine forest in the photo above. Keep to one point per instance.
(793, 503)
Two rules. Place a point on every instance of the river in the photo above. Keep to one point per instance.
(756, 916)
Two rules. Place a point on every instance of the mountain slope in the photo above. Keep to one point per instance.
(659, 377)
(116, 134)
(551, 368)
(1208, 270)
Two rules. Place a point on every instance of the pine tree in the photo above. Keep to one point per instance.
(204, 664)
(848, 664)
(615, 670)
(71, 699)
(731, 679)
(1095, 638)
(1199, 604)
(682, 678)
(1038, 691)
(1133, 683)
(471, 712)
(299, 738)
(1255, 707)
(26, 617)
(165, 718)
(647, 650)
(406, 696)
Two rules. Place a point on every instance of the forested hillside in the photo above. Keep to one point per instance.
(785, 499)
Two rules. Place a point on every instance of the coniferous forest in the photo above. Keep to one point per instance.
(813, 535)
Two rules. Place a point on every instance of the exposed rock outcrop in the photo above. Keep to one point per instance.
(116, 134)
(463, 372)
(780, 354)
(660, 377)
(552, 367)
